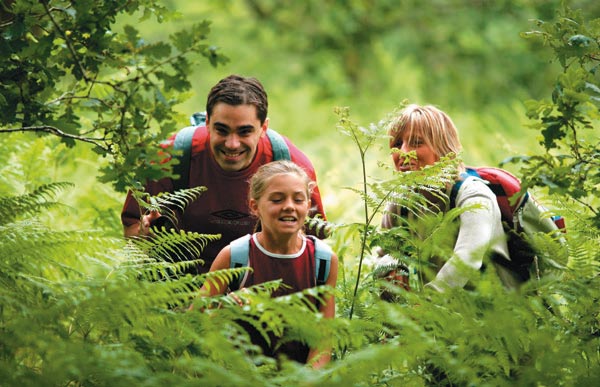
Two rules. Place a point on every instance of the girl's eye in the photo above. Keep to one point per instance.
(397, 144)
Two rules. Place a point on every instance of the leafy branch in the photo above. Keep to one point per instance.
(68, 73)
(98, 142)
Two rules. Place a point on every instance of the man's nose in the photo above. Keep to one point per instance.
(232, 141)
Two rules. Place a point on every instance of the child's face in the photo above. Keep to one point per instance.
(283, 206)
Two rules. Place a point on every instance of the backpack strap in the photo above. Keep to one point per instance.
(240, 251)
(183, 142)
(456, 187)
(280, 148)
(322, 260)
(198, 119)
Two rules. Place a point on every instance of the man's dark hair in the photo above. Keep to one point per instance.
(237, 90)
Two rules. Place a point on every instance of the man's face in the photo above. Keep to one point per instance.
(235, 131)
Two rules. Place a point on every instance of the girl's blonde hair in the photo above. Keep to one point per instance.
(260, 180)
(433, 125)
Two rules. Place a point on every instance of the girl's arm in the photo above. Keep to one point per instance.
(216, 285)
(319, 357)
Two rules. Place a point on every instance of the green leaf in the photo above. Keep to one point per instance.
(157, 50)
(132, 35)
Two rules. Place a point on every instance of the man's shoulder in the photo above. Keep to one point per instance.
(297, 155)
(200, 139)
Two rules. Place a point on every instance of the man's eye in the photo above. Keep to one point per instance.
(245, 132)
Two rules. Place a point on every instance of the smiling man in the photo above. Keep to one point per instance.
(225, 154)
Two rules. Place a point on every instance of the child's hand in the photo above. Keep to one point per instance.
(239, 300)
(147, 220)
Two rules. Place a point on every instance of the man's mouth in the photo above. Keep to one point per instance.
(232, 155)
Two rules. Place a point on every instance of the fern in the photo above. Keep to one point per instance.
(168, 203)
(32, 203)
(179, 248)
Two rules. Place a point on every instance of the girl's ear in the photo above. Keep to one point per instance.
(253, 205)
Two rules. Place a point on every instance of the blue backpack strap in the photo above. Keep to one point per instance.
(198, 119)
(240, 251)
(183, 142)
(468, 172)
(280, 148)
(322, 260)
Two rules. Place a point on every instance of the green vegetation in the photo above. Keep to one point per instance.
(88, 89)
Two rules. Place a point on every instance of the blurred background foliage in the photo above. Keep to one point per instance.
(74, 310)
(466, 57)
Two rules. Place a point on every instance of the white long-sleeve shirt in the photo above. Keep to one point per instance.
(480, 234)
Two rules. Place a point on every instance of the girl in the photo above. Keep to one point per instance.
(279, 197)
(430, 134)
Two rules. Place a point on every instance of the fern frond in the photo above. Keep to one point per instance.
(42, 198)
(181, 249)
(167, 203)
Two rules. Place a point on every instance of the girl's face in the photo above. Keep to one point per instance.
(411, 142)
(283, 206)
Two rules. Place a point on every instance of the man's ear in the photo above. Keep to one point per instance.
(264, 127)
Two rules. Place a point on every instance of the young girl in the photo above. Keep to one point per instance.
(279, 197)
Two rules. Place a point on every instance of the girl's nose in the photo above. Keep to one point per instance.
(288, 204)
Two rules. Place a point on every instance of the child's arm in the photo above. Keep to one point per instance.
(318, 357)
(215, 285)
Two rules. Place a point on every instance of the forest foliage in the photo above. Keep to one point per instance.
(81, 306)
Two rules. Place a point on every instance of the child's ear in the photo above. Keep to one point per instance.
(253, 205)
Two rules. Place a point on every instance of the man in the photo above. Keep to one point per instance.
(225, 154)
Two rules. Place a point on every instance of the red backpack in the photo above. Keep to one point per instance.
(522, 216)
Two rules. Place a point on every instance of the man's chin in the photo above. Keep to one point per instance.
(232, 166)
